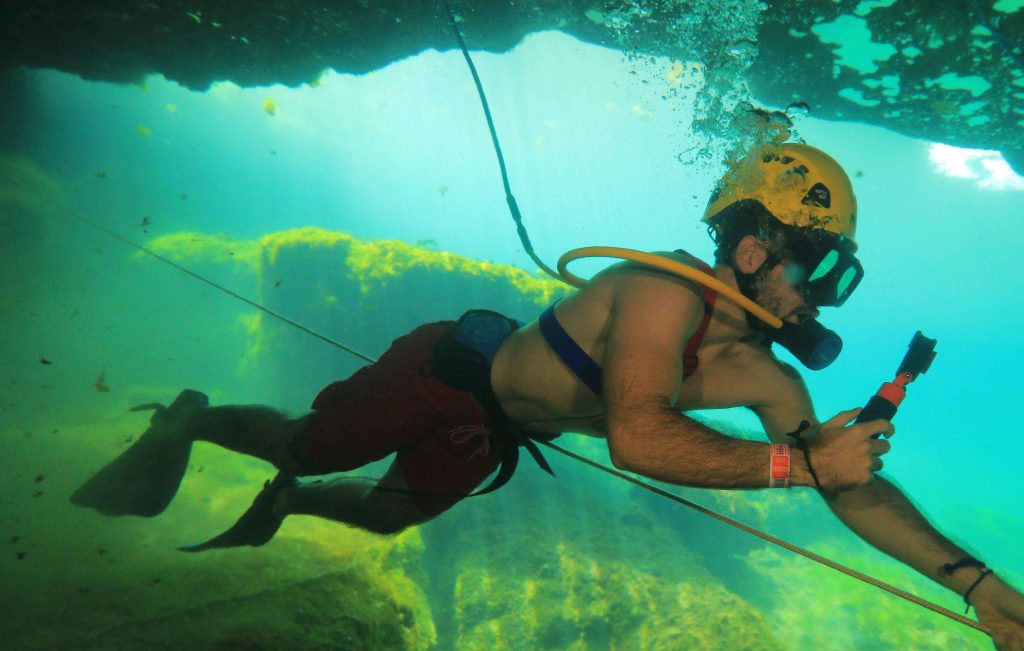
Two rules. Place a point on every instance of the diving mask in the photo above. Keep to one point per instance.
(827, 270)
(826, 267)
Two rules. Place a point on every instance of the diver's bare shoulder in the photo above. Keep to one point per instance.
(534, 386)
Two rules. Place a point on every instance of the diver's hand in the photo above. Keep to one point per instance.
(1001, 609)
(845, 456)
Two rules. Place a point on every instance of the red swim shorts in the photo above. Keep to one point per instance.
(443, 437)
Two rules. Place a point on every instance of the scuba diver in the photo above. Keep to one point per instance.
(624, 358)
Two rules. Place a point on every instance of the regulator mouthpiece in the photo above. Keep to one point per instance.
(810, 342)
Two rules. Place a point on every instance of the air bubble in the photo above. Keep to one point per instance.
(798, 110)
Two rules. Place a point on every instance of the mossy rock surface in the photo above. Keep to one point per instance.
(576, 601)
(554, 564)
(363, 294)
(340, 610)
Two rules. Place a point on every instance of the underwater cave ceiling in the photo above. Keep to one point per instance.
(944, 70)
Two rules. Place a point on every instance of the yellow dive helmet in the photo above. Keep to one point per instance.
(798, 184)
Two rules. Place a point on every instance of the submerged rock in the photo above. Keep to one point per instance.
(339, 610)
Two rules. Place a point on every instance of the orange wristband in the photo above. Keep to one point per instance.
(779, 466)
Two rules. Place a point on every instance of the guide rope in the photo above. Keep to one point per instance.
(117, 236)
(774, 540)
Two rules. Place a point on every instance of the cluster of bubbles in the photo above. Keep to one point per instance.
(720, 37)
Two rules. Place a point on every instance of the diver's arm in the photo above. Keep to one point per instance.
(878, 511)
(651, 319)
(882, 515)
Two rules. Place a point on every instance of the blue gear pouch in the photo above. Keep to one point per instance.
(484, 331)
(462, 357)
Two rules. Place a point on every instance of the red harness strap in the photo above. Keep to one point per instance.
(690, 360)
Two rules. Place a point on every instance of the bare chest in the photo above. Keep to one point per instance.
(539, 393)
(727, 376)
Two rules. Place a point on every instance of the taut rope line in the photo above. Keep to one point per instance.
(775, 541)
(117, 236)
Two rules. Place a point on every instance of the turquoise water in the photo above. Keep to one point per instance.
(599, 152)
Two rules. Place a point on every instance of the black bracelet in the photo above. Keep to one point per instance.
(985, 572)
(801, 444)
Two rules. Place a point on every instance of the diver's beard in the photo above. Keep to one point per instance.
(755, 286)
(810, 342)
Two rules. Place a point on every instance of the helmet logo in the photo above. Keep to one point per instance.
(818, 195)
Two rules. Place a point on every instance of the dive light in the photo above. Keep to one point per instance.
(888, 398)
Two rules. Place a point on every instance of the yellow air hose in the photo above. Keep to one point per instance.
(666, 264)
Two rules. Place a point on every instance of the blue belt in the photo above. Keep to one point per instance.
(577, 359)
